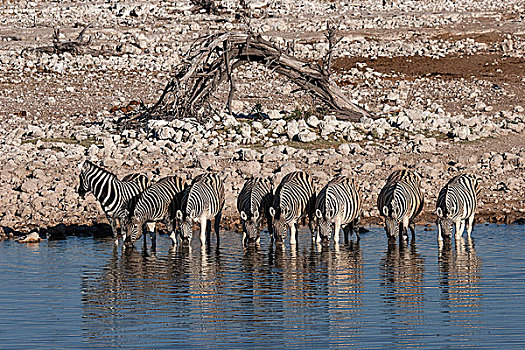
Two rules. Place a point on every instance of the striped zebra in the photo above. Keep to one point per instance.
(114, 195)
(253, 205)
(294, 199)
(158, 202)
(338, 205)
(456, 205)
(201, 201)
(400, 202)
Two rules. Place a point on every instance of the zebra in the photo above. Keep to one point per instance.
(114, 195)
(400, 202)
(253, 203)
(158, 202)
(456, 205)
(201, 201)
(294, 199)
(338, 205)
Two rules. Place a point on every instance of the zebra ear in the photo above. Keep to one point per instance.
(385, 210)
(439, 212)
(244, 216)
(255, 214)
(179, 215)
(272, 212)
(318, 213)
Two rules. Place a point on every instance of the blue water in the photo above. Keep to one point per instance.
(85, 293)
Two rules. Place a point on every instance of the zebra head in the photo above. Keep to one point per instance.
(392, 221)
(251, 225)
(444, 224)
(185, 225)
(83, 186)
(280, 227)
(325, 225)
(134, 232)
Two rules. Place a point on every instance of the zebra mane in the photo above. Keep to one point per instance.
(99, 168)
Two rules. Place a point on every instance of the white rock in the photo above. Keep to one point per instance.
(313, 121)
(344, 149)
(292, 129)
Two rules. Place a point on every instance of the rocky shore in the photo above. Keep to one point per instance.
(444, 79)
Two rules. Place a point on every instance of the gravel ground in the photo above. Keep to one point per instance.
(444, 79)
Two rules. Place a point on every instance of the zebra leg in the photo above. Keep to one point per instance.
(112, 223)
(208, 230)
(412, 227)
(461, 228)
(470, 225)
(217, 224)
(204, 224)
(293, 232)
(459, 231)
(269, 222)
(355, 227)
(311, 225)
(347, 231)
(337, 228)
(153, 235)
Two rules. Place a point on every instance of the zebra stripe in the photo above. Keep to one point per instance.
(114, 195)
(253, 202)
(294, 199)
(157, 203)
(400, 202)
(201, 201)
(338, 205)
(456, 205)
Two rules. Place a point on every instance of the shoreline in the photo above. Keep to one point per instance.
(232, 224)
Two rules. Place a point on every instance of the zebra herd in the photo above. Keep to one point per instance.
(136, 204)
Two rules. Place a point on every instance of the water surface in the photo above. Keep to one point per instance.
(85, 293)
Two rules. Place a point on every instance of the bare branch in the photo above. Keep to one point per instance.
(214, 58)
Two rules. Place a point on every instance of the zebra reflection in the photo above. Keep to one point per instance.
(401, 271)
(459, 277)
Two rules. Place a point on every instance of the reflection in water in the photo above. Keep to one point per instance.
(459, 278)
(268, 293)
(84, 293)
(401, 272)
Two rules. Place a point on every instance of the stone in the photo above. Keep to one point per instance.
(112, 163)
(35, 131)
(391, 160)
(307, 136)
(287, 168)
(274, 115)
(313, 121)
(344, 149)
(205, 162)
(292, 129)
(230, 121)
(462, 132)
(251, 168)
(369, 166)
(30, 185)
(93, 151)
(33, 237)
(496, 161)
(166, 133)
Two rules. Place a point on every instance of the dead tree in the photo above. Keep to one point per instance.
(78, 46)
(213, 59)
